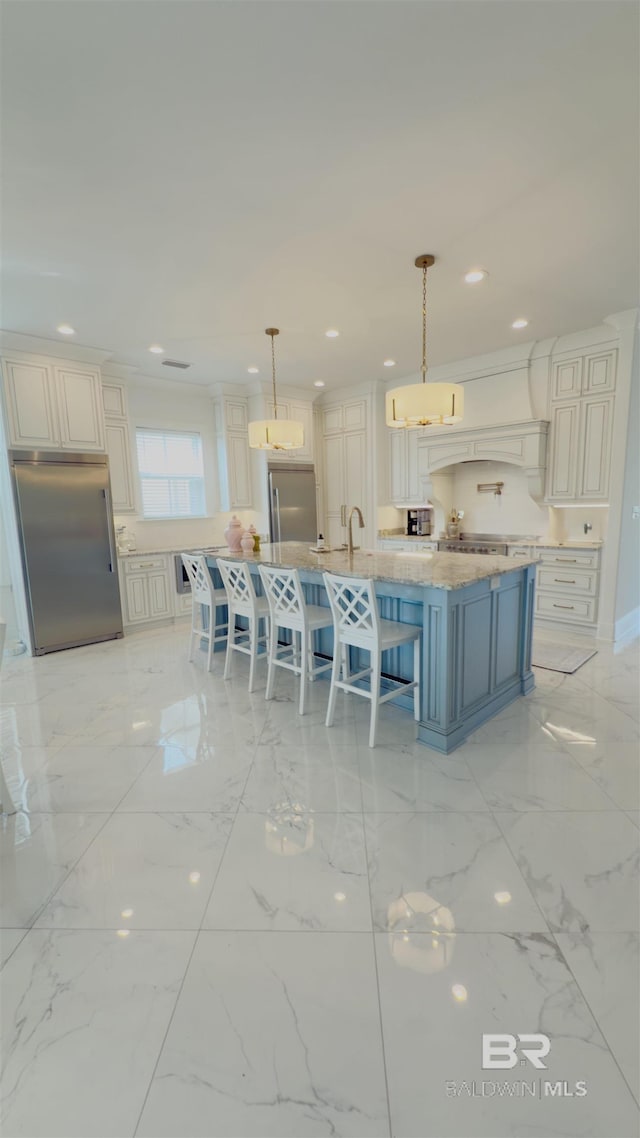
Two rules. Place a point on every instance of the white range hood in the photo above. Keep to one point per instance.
(521, 444)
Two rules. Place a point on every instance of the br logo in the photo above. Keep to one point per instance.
(500, 1052)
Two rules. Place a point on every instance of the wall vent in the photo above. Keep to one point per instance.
(175, 363)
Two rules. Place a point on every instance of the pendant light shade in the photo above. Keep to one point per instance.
(425, 404)
(275, 434)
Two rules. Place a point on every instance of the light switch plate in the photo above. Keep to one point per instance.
(635, 513)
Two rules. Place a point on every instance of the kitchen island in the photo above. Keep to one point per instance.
(476, 616)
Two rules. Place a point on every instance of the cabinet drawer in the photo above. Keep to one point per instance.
(567, 580)
(580, 609)
(140, 564)
(565, 558)
(520, 551)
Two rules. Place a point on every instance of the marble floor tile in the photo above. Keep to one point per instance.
(274, 1034)
(292, 870)
(75, 777)
(395, 725)
(284, 727)
(184, 779)
(581, 867)
(36, 853)
(607, 969)
(320, 778)
(145, 871)
(408, 779)
(446, 871)
(634, 815)
(9, 941)
(435, 1012)
(533, 777)
(516, 724)
(83, 1020)
(613, 765)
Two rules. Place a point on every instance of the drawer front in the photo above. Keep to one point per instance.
(567, 580)
(141, 564)
(520, 551)
(566, 558)
(579, 609)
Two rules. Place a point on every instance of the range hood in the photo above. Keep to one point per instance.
(522, 444)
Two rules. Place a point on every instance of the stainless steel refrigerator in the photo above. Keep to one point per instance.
(292, 502)
(63, 506)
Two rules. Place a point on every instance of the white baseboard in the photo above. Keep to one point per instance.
(628, 627)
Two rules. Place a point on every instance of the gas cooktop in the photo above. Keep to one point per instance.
(472, 545)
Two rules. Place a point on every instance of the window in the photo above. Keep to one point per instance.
(171, 473)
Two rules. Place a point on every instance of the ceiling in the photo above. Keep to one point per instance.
(189, 173)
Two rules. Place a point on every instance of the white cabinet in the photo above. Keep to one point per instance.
(567, 587)
(146, 588)
(300, 412)
(580, 450)
(345, 466)
(232, 446)
(53, 405)
(404, 480)
(118, 444)
(582, 405)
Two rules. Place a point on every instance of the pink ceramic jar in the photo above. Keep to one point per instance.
(233, 533)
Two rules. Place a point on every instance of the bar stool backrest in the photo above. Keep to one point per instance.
(354, 608)
(236, 579)
(201, 584)
(284, 594)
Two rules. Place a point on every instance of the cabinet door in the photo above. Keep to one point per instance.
(567, 378)
(137, 598)
(122, 493)
(564, 451)
(415, 495)
(336, 494)
(398, 466)
(114, 401)
(239, 471)
(235, 415)
(355, 469)
(30, 399)
(160, 599)
(80, 408)
(595, 448)
(600, 373)
(303, 413)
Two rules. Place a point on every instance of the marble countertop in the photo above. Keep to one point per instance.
(436, 570)
(534, 542)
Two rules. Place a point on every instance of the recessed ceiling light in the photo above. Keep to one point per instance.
(318, 383)
(389, 363)
(253, 370)
(520, 323)
(332, 333)
(459, 992)
(156, 349)
(474, 276)
(66, 330)
(503, 898)
(126, 913)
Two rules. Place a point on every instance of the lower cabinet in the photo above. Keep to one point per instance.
(567, 587)
(147, 589)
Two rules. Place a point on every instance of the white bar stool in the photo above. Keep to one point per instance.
(357, 622)
(242, 600)
(6, 801)
(203, 594)
(289, 610)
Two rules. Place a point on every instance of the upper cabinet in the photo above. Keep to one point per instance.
(118, 441)
(582, 403)
(346, 481)
(232, 447)
(53, 405)
(301, 413)
(404, 481)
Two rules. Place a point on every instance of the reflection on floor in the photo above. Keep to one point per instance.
(222, 919)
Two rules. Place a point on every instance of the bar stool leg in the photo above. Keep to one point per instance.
(376, 669)
(253, 645)
(416, 676)
(230, 641)
(271, 671)
(304, 667)
(310, 659)
(333, 691)
(211, 612)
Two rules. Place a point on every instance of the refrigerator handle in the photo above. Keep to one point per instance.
(107, 505)
(276, 494)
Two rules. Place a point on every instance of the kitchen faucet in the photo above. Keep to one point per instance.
(347, 521)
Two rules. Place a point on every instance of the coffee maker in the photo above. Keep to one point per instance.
(420, 522)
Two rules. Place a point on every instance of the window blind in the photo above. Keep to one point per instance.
(171, 473)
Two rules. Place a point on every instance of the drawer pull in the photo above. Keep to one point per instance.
(563, 581)
(567, 560)
(145, 565)
(562, 606)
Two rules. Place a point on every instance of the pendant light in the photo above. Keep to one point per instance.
(425, 404)
(275, 434)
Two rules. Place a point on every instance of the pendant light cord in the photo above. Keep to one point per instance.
(273, 375)
(424, 324)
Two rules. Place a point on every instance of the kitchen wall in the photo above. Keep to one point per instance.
(179, 409)
(627, 609)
